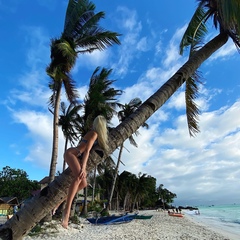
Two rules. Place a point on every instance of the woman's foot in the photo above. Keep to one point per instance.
(54, 211)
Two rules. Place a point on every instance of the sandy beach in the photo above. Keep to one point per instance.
(160, 226)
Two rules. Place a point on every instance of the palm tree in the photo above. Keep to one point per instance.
(127, 110)
(107, 163)
(225, 16)
(165, 195)
(26, 218)
(81, 34)
(100, 99)
(69, 121)
(141, 190)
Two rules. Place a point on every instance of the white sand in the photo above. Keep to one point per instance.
(160, 226)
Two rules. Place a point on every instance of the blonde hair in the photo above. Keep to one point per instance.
(100, 126)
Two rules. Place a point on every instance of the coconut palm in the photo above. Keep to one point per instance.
(107, 163)
(225, 16)
(25, 219)
(81, 34)
(165, 195)
(127, 110)
(140, 191)
(101, 99)
(127, 184)
(69, 121)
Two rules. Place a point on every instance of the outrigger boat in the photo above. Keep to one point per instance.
(142, 216)
(112, 219)
(118, 218)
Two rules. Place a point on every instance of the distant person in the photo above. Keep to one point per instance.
(197, 212)
(15, 209)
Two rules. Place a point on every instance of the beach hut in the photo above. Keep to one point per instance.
(7, 204)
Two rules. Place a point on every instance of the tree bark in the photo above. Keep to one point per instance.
(109, 207)
(22, 222)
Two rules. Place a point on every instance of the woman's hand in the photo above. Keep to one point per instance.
(83, 173)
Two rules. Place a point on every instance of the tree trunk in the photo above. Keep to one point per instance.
(52, 172)
(24, 220)
(115, 178)
(94, 183)
(37, 208)
(65, 148)
(84, 209)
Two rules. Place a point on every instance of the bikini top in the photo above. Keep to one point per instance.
(85, 141)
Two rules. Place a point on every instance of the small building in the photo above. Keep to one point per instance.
(44, 182)
(7, 204)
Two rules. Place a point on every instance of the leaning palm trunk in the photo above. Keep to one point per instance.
(22, 222)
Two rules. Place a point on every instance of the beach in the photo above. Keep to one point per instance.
(160, 226)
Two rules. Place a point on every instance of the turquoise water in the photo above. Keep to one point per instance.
(224, 217)
(222, 213)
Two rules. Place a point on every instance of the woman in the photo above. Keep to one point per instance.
(98, 134)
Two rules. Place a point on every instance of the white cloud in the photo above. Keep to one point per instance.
(39, 127)
(172, 51)
(142, 45)
(226, 51)
(191, 167)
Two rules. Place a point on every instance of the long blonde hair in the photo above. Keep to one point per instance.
(100, 126)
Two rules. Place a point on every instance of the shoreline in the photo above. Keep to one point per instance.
(214, 227)
(160, 226)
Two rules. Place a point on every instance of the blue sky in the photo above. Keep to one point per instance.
(200, 170)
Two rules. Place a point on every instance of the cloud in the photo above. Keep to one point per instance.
(39, 126)
(191, 167)
(224, 52)
(128, 20)
(172, 52)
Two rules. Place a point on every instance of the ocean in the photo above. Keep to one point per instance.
(223, 217)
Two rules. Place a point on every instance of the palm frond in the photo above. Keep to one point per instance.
(196, 29)
(82, 26)
(69, 121)
(230, 20)
(101, 97)
(132, 141)
(192, 110)
(71, 92)
(100, 41)
(76, 9)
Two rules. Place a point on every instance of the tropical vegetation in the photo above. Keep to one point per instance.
(126, 110)
(16, 183)
(81, 34)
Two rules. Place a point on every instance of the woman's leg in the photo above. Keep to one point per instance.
(73, 163)
(82, 185)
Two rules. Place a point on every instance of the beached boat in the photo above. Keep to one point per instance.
(112, 219)
(175, 214)
(142, 216)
